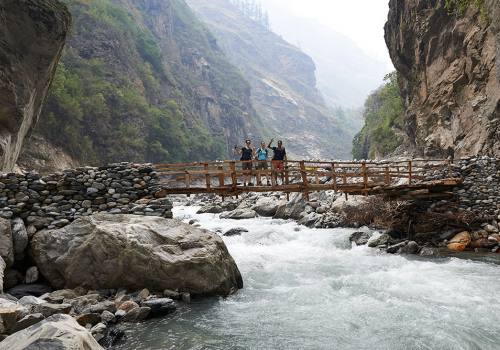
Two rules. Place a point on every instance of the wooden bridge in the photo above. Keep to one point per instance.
(408, 179)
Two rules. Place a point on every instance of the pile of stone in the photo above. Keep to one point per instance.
(99, 311)
(56, 200)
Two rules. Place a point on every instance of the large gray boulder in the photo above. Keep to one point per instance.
(107, 251)
(294, 209)
(58, 332)
(266, 206)
(32, 36)
(6, 245)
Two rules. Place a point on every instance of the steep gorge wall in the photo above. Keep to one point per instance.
(449, 69)
(32, 35)
(282, 80)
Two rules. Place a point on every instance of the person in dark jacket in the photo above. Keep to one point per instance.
(247, 153)
(278, 161)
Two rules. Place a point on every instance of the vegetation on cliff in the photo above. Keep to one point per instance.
(384, 115)
(131, 89)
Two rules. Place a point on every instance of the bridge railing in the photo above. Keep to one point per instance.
(297, 176)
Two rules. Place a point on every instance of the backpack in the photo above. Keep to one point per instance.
(261, 154)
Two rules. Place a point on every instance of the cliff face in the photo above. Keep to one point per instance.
(449, 68)
(282, 79)
(32, 35)
(144, 81)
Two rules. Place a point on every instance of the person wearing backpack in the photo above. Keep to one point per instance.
(261, 156)
(278, 161)
(247, 153)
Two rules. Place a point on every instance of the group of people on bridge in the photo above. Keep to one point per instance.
(249, 156)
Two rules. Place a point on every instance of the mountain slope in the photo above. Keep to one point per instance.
(282, 79)
(144, 80)
(447, 54)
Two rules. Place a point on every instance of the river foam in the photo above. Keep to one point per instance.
(308, 289)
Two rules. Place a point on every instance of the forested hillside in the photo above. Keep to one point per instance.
(384, 115)
(144, 80)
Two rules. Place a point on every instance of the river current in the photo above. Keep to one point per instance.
(308, 289)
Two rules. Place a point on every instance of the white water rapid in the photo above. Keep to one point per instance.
(308, 289)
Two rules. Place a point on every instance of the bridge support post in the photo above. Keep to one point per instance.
(365, 177)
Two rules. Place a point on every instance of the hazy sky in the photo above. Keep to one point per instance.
(361, 20)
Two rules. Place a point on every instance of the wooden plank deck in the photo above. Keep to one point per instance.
(407, 179)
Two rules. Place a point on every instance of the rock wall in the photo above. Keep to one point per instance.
(55, 200)
(32, 35)
(449, 67)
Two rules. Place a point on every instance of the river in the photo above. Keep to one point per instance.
(308, 289)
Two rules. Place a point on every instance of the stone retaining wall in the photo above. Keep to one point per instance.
(480, 192)
(57, 199)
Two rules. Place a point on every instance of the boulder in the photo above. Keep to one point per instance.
(237, 231)
(411, 248)
(6, 244)
(27, 321)
(30, 300)
(266, 206)
(377, 240)
(293, 209)
(136, 314)
(86, 319)
(31, 275)
(107, 251)
(360, 238)
(10, 312)
(59, 296)
(239, 214)
(393, 249)
(19, 238)
(160, 307)
(48, 309)
(58, 332)
(460, 241)
(210, 208)
(428, 251)
(36, 290)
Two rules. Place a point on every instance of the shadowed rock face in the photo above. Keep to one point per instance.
(449, 68)
(32, 35)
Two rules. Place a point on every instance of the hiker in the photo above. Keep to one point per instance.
(261, 156)
(278, 161)
(247, 153)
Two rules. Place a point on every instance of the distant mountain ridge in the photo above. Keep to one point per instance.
(283, 82)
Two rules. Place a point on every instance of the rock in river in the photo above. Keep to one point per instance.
(58, 332)
(106, 251)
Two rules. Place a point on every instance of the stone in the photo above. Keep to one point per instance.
(29, 300)
(102, 306)
(134, 252)
(160, 307)
(235, 231)
(58, 332)
(490, 228)
(35, 289)
(266, 206)
(239, 214)
(378, 240)
(98, 331)
(59, 296)
(393, 249)
(171, 294)
(10, 312)
(31, 275)
(19, 238)
(108, 317)
(48, 309)
(460, 241)
(85, 319)
(186, 297)
(292, 209)
(143, 294)
(127, 306)
(137, 314)
(6, 244)
(411, 248)
(211, 209)
(428, 251)
(27, 321)
(360, 237)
